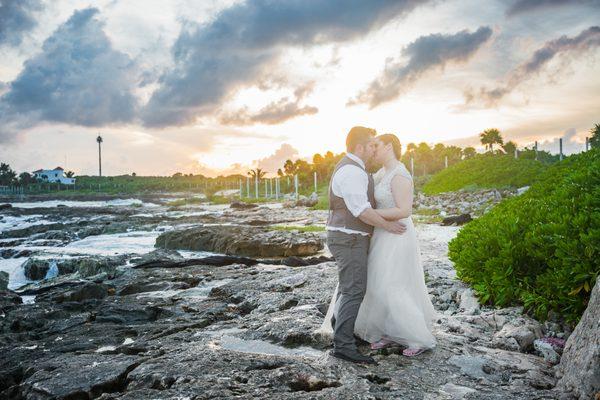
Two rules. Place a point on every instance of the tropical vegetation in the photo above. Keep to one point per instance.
(540, 249)
(486, 171)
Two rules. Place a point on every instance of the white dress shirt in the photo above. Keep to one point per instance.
(351, 183)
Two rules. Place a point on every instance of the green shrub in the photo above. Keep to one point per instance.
(485, 171)
(540, 249)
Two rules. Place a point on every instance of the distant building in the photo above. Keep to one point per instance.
(56, 175)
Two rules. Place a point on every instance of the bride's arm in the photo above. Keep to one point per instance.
(402, 190)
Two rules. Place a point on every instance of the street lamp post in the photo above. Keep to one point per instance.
(99, 140)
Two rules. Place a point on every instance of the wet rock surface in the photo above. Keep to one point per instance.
(3, 280)
(37, 269)
(244, 241)
(166, 324)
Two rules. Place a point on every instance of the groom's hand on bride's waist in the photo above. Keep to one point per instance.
(395, 227)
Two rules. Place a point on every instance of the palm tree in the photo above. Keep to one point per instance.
(411, 147)
(25, 178)
(468, 152)
(257, 173)
(489, 137)
(509, 147)
(7, 175)
(289, 167)
(99, 140)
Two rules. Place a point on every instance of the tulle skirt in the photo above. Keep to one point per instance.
(396, 305)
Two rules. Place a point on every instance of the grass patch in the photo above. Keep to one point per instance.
(219, 199)
(301, 228)
(427, 211)
(322, 204)
(323, 193)
(186, 201)
(486, 171)
(255, 200)
(428, 219)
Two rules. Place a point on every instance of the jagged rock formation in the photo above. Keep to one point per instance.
(579, 368)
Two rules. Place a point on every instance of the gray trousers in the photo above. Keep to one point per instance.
(350, 253)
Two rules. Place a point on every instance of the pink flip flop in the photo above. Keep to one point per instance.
(412, 352)
(381, 344)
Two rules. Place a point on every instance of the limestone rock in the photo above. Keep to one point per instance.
(91, 266)
(309, 201)
(157, 255)
(518, 334)
(579, 368)
(243, 241)
(87, 291)
(302, 201)
(36, 269)
(31, 230)
(79, 376)
(547, 351)
(469, 303)
(457, 219)
(3, 280)
(242, 205)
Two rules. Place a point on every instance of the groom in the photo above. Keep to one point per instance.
(349, 227)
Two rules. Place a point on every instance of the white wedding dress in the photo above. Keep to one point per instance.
(396, 305)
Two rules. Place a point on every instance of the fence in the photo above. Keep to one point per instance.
(266, 188)
(561, 154)
(273, 187)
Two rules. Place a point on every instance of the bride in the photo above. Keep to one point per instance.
(396, 307)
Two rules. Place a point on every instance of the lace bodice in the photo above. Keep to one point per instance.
(383, 185)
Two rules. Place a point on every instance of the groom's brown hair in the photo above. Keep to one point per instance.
(359, 135)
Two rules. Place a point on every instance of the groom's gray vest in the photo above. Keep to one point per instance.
(339, 215)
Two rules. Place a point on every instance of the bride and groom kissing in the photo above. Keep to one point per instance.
(381, 295)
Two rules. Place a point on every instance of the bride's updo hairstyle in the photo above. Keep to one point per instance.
(393, 139)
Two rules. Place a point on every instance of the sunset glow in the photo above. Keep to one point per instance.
(185, 94)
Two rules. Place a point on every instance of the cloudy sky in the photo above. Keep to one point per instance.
(215, 86)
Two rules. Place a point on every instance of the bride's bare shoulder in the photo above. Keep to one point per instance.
(403, 171)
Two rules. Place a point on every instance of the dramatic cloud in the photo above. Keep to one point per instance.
(212, 60)
(78, 78)
(523, 6)
(424, 54)
(586, 40)
(277, 159)
(275, 112)
(16, 19)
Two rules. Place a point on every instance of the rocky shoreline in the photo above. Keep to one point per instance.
(166, 324)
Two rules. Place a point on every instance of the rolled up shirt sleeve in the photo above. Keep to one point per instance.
(353, 184)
